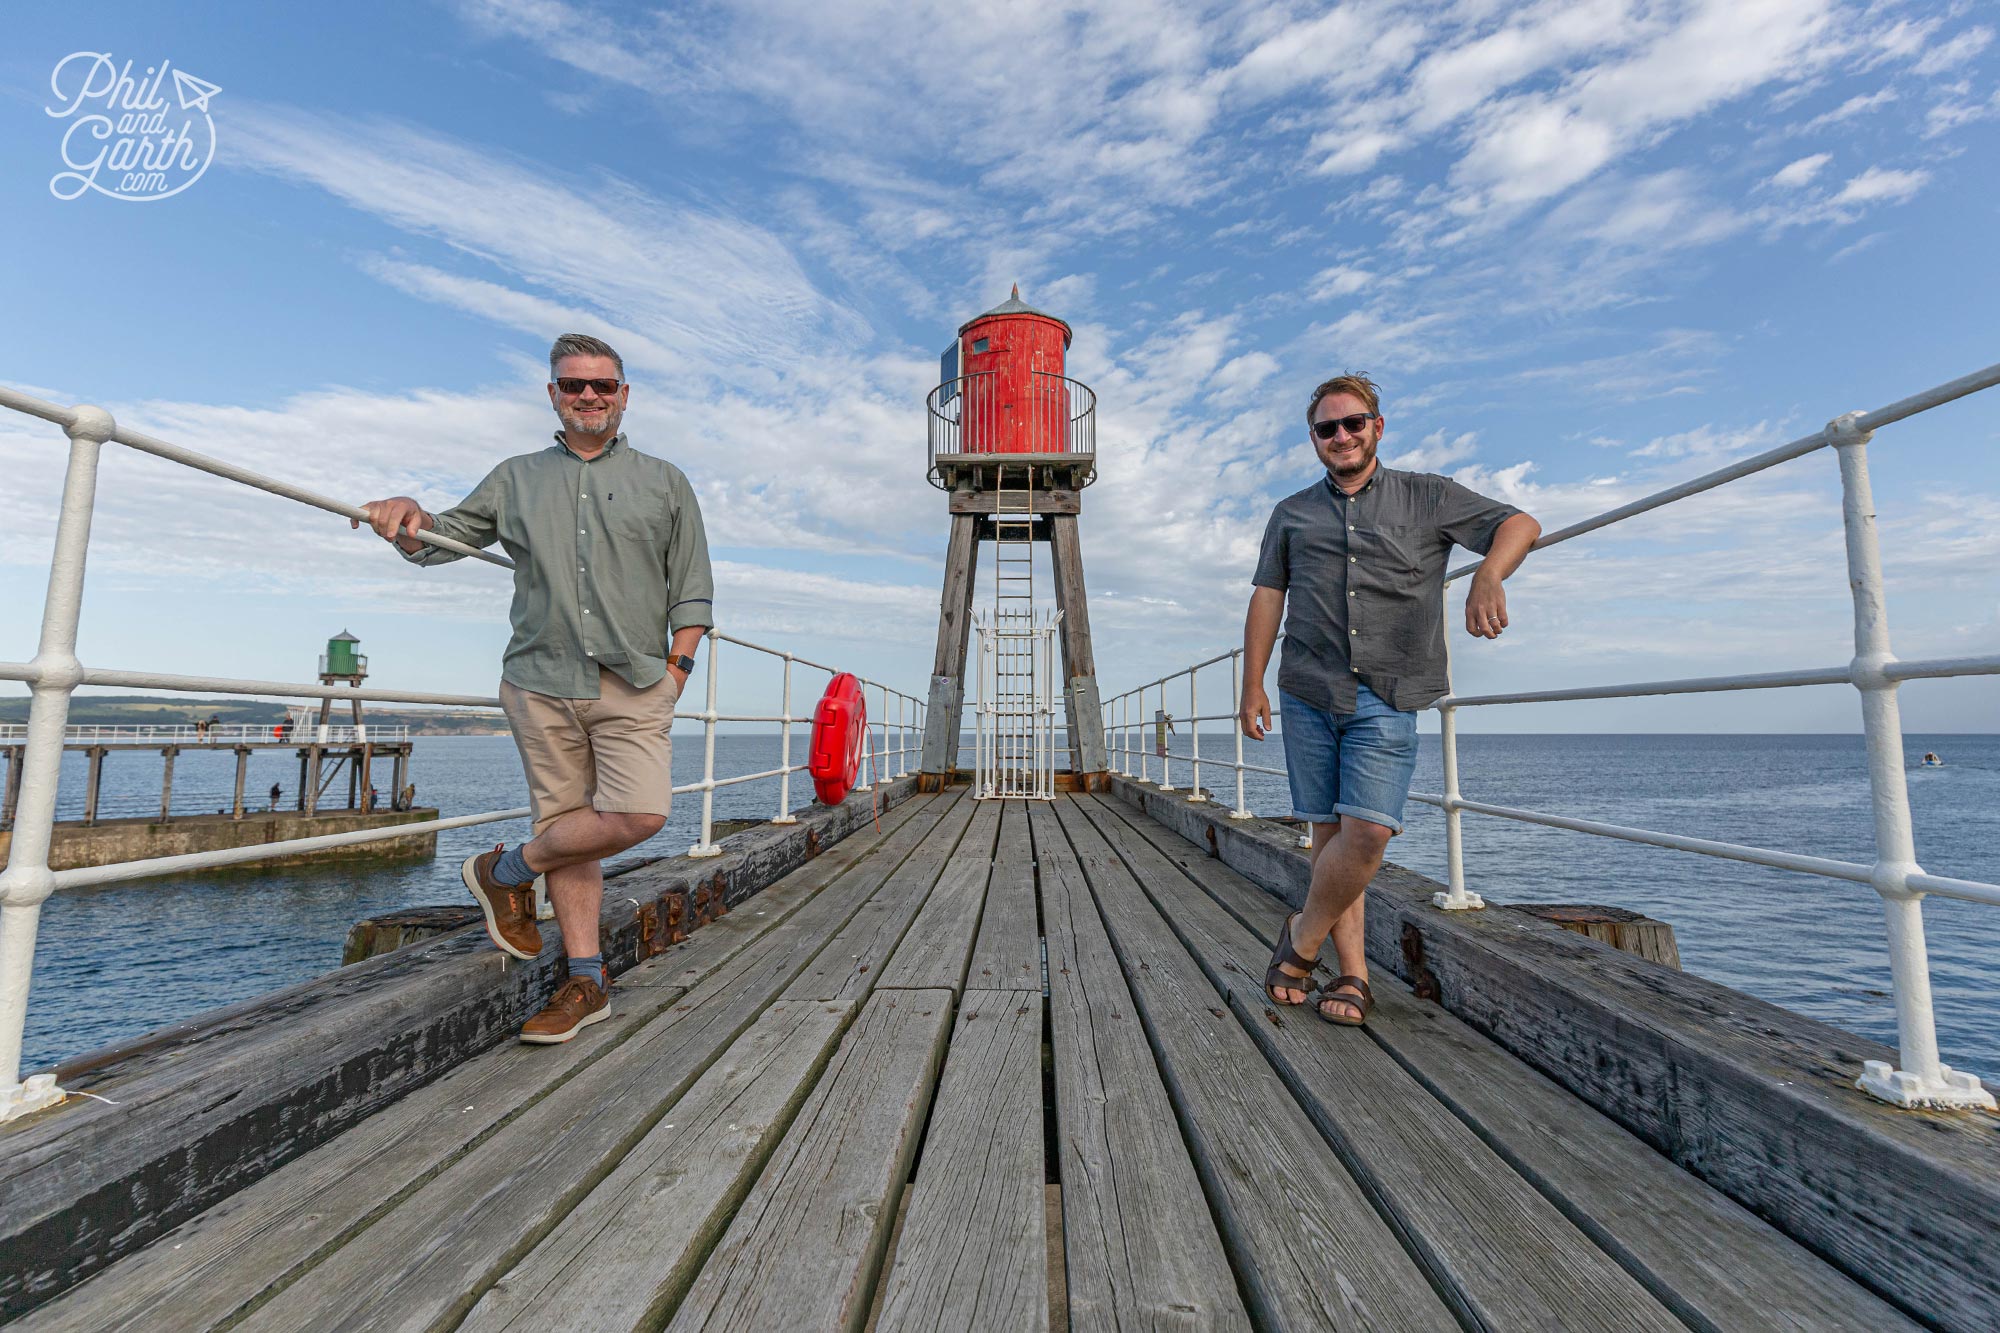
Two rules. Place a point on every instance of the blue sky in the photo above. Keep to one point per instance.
(1588, 249)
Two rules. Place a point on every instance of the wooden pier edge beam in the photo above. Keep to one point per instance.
(1756, 1100)
(205, 1107)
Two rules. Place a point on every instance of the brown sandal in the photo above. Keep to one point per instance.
(1325, 995)
(1276, 978)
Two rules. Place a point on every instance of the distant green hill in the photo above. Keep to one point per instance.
(107, 710)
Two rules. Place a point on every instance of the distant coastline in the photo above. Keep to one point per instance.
(141, 710)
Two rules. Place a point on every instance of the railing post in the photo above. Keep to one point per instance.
(1923, 1080)
(1242, 810)
(1194, 736)
(1162, 722)
(785, 815)
(1456, 898)
(867, 773)
(28, 881)
(707, 847)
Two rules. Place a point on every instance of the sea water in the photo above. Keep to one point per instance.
(119, 960)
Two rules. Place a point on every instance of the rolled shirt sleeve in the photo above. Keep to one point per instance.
(475, 521)
(690, 582)
(1468, 518)
(1273, 567)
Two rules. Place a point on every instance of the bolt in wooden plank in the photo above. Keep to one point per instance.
(804, 1250)
(973, 1254)
(1308, 1248)
(1140, 1246)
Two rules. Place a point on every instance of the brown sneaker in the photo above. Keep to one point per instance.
(578, 1003)
(509, 908)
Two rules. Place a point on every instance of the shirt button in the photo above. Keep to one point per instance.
(586, 610)
(1352, 559)
(588, 653)
(1352, 634)
(581, 533)
(1352, 594)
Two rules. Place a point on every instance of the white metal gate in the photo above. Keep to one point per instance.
(1016, 705)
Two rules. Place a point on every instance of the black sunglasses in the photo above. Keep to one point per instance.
(604, 388)
(1353, 425)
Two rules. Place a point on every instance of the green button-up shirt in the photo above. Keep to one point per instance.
(610, 558)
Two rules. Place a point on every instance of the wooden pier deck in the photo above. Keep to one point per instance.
(992, 1066)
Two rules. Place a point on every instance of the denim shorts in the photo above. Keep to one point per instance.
(1356, 763)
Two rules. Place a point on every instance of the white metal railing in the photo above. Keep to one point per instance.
(55, 673)
(1874, 672)
(233, 733)
(1015, 721)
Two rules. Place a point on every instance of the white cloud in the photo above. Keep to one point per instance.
(1801, 172)
(1950, 54)
(1881, 185)
(1437, 451)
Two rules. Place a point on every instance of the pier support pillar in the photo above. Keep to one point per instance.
(318, 759)
(400, 770)
(242, 767)
(94, 789)
(944, 715)
(167, 783)
(367, 777)
(307, 769)
(1085, 714)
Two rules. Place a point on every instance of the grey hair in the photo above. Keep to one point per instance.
(582, 344)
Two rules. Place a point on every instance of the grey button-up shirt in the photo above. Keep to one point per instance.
(1363, 578)
(610, 558)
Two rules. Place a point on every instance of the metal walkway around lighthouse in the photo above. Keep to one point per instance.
(994, 1065)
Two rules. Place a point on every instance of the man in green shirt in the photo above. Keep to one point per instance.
(612, 594)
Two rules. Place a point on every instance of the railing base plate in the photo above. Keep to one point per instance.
(1954, 1091)
(35, 1093)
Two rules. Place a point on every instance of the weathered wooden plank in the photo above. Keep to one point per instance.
(1502, 1255)
(1308, 1249)
(1008, 954)
(847, 968)
(1706, 1257)
(973, 1254)
(1757, 1101)
(206, 1107)
(432, 1256)
(214, 1265)
(1140, 1246)
(804, 1249)
(628, 1252)
(934, 951)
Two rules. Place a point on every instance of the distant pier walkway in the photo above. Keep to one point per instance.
(851, 1102)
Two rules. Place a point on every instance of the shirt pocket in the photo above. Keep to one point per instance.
(637, 524)
(1396, 547)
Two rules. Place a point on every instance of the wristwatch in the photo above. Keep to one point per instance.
(684, 662)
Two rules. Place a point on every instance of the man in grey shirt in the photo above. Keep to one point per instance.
(1355, 564)
(612, 594)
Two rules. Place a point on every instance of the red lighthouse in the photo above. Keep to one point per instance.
(1007, 366)
(1013, 440)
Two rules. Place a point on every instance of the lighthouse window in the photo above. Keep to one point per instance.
(979, 344)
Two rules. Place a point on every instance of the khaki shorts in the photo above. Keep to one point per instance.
(611, 753)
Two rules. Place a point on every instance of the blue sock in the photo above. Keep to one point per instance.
(591, 968)
(513, 867)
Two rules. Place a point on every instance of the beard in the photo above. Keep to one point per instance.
(604, 423)
(1352, 464)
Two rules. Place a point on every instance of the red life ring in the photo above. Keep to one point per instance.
(840, 722)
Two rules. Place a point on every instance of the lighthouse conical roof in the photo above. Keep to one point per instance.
(1014, 305)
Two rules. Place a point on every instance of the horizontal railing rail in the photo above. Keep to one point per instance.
(193, 735)
(1874, 673)
(55, 673)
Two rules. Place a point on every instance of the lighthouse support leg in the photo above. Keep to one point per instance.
(942, 718)
(1085, 715)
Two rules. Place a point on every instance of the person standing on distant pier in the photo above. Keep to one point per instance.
(612, 595)
(1354, 564)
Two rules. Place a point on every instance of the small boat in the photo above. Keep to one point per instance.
(1932, 759)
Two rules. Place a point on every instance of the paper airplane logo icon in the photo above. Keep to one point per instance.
(194, 93)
